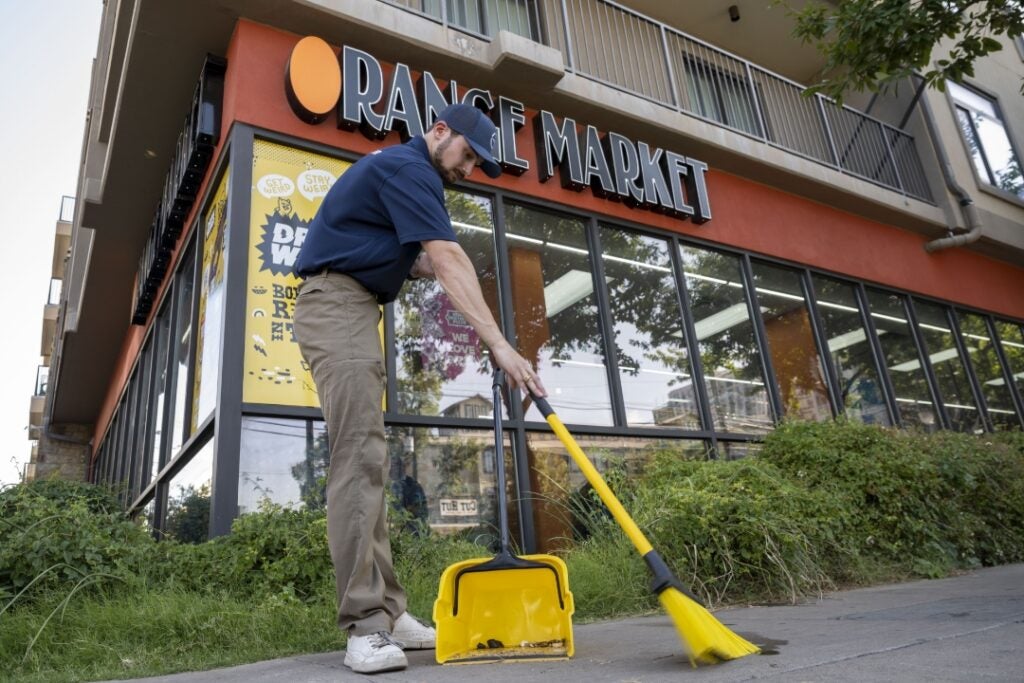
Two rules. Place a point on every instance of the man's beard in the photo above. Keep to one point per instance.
(453, 175)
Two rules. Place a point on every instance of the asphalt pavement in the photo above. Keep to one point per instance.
(965, 628)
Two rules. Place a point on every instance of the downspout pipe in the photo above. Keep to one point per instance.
(967, 207)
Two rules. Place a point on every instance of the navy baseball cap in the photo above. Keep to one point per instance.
(479, 132)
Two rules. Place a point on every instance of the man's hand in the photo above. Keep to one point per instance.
(457, 277)
(518, 370)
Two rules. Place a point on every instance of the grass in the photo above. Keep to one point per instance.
(150, 632)
(822, 506)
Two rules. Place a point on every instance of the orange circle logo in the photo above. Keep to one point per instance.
(312, 79)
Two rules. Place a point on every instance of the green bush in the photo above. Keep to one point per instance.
(737, 529)
(823, 504)
(55, 534)
(922, 504)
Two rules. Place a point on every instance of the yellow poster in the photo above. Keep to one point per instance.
(288, 186)
(211, 305)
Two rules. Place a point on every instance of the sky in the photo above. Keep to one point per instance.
(46, 53)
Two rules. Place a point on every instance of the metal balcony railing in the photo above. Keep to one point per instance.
(606, 42)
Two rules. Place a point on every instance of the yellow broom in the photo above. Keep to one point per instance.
(705, 638)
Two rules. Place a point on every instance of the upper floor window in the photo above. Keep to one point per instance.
(987, 140)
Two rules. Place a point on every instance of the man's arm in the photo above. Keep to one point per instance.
(454, 272)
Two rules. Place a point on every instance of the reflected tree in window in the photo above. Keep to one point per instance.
(989, 371)
(649, 341)
(732, 364)
(188, 514)
(860, 389)
(311, 472)
(909, 383)
(441, 362)
(1012, 339)
(787, 323)
(948, 367)
(556, 315)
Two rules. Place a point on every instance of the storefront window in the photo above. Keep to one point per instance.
(161, 336)
(733, 371)
(444, 480)
(441, 479)
(1013, 349)
(146, 517)
(289, 184)
(654, 365)
(944, 357)
(184, 285)
(442, 366)
(188, 502)
(860, 391)
(556, 316)
(211, 305)
(563, 500)
(734, 450)
(901, 357)
(143, 418)
(988, 370)
(282, 461)
(790, 339)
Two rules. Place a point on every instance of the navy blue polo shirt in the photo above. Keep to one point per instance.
(373, 219)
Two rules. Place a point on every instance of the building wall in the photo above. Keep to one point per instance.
(747, 215)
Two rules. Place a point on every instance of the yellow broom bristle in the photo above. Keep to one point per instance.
(706, 639)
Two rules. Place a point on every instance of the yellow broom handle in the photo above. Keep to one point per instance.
(640, 541)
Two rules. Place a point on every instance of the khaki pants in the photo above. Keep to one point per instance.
(336, 322)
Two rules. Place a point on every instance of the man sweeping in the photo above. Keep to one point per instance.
(382, 222)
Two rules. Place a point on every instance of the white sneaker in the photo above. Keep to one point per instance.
(373, 653)
(413, 634)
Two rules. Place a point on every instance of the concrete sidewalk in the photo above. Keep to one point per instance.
(967, 628)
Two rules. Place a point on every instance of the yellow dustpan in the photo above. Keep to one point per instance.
(705, 639)
(505, 608)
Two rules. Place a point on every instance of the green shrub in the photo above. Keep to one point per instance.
(923, 504)
(55, 534)
(737, 529)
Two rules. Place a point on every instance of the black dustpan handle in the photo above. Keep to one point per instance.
(499, 462)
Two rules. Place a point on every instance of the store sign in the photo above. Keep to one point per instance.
(192, 156)
(612, 165)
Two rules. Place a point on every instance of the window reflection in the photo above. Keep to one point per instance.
(654, 365)
(913, 398)
(211, 306)
(188, 502)
(562, 497)
(734, 450)
(994, 158)
(719, 94)
(442, 366)
(948, 367)
(182, 348)
(860, 391)
(556, 315)
(440, 480)
(283, 461)
(1013, 350)
(987, 368)
(787, 324)
(444, 480)
(162, 335)
(733, 371)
